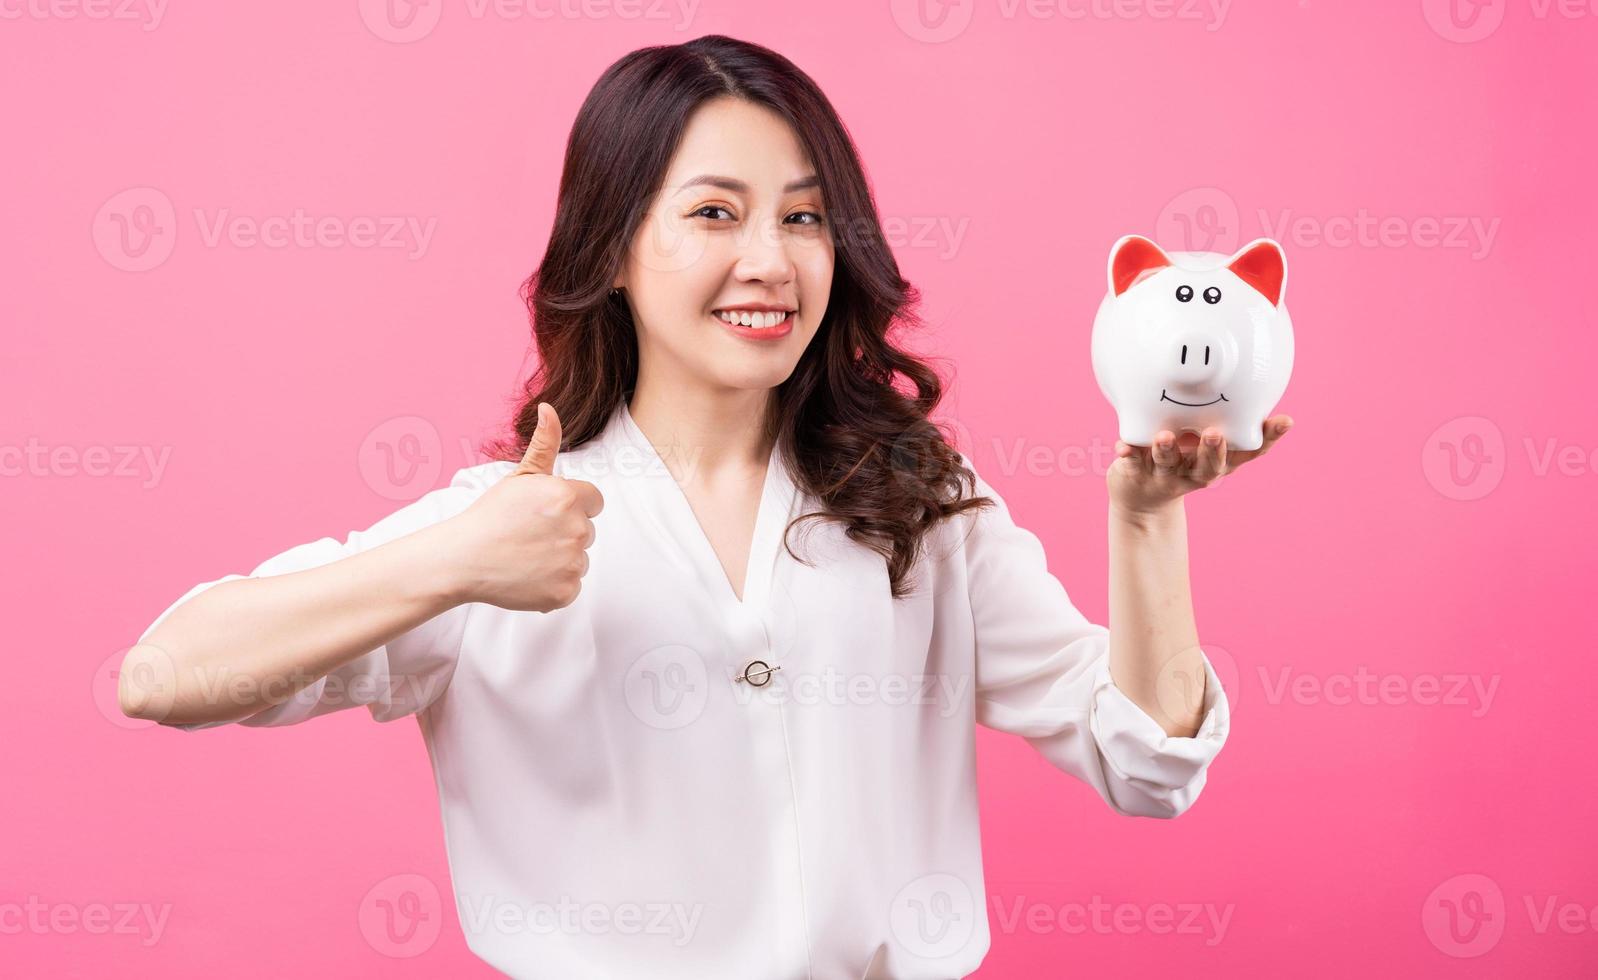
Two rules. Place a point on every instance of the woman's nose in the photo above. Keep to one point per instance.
(764, 254)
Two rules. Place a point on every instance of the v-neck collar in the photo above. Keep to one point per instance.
(670, 506)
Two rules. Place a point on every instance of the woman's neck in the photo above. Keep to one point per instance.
(701, 432)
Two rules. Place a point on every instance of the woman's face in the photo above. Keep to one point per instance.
(737, 224)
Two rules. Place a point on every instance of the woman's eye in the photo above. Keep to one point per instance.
(710, 211)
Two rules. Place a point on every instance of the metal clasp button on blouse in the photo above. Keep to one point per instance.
(758, 673)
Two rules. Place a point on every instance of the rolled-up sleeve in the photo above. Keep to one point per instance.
(1043, 672)
(394, 680)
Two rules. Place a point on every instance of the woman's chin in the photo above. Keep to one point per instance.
(750, 372)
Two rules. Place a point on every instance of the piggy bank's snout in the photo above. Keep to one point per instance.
(1193, 357)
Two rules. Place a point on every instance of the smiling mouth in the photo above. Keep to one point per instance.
(1167, 398)
(754, 319)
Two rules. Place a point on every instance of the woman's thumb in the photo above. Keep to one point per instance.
(545, 443)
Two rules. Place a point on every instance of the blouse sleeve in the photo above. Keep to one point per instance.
(399, 678)
(1043, 672)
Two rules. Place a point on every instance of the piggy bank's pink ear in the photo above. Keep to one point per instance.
(1134, 258)
(1262, 265)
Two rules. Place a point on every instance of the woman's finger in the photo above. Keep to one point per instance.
(1166, 456)
(1211, 456)
(1275, 427)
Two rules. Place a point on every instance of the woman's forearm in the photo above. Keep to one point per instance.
(246, 644)
(1154, 646)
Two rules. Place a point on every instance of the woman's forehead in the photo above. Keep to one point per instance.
(742, 143)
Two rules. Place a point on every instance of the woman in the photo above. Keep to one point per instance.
(671, 738)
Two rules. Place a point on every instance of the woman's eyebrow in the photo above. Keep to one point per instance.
(739, 187)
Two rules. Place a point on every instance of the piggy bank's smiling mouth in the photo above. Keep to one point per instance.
(1167, 398)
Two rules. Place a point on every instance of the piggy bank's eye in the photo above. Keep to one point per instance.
(1212, 295)
(1184, 293)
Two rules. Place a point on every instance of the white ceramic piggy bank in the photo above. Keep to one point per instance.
(1185, 340)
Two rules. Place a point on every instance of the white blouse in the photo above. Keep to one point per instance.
(662, 780)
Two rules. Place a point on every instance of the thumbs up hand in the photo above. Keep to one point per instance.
(523, 544)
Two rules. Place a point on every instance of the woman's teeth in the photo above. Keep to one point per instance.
(748, 319)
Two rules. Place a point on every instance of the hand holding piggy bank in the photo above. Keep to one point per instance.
(1186, 340)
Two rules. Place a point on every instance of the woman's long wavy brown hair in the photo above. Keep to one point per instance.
(864, 448)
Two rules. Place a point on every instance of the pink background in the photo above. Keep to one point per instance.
(1408, 529)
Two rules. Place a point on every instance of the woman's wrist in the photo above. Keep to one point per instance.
(448, 570)
(1164, 517)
